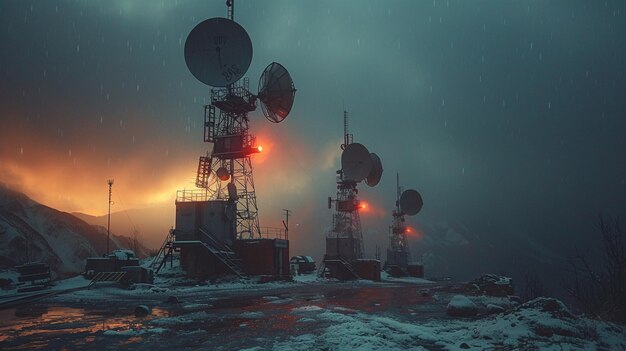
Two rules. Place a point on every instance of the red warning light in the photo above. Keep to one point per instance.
(363, 206)
(413, 233)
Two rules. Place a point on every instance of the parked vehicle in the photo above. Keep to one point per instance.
(305, 264)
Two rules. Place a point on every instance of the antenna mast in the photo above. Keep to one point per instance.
(397, 192)
(230, 4)
(347, 137)
(110, 182)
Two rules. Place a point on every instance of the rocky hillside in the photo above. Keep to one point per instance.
(30, 231)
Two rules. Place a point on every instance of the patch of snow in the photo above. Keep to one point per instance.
(310, 308)
(194, 306)
(281, 301)
(307, 278)
(133, 332)
(252, 315)
(384, 276)
(461, 306)
(183, 319)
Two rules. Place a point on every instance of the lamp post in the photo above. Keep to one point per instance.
(287, 213)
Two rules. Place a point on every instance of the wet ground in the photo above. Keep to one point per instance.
(219, 320)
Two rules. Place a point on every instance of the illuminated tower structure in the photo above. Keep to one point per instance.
(344, 240)
(216, 222)
(230, 157)
(398, 261)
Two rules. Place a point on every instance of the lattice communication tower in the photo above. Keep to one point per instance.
(357, 164)
(218, 52)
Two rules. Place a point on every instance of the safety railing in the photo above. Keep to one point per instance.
(273, 233)
(194, 195)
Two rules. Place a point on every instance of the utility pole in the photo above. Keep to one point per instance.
(287, 212)
(110, 182)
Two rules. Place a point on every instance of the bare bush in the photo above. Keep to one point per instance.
(135, 241)
(533, 285)
(598, 281)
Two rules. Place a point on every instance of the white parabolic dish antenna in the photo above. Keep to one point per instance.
(411, 202)
(356, 162)
(377, 171)
(218, 52)
(276, 92)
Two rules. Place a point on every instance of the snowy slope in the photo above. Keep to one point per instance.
(30, 231)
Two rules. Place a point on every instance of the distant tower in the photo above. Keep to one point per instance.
(344, 240)
(346, 220)
(398, 261)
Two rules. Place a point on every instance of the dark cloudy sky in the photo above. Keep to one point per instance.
(505, 111)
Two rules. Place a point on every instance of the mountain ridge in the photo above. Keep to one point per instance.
(30, 231)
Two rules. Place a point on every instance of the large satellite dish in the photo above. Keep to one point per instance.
(276, 92)
(356, 162)
(218, 52)
(411, 202)
(377, 171)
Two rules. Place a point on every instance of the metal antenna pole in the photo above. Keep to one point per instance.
(110, 182)
(231, 9)
(287, 212)
(345, 128)
(398, 192)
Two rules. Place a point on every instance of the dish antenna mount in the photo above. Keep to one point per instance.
(218, 52)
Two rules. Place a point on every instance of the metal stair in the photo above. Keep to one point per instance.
(324, 268)
(348, 267)
(166, 251)
(223, 253)
(107, 277)
(321, 270)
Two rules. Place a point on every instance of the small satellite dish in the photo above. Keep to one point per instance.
(232, 191)
(377, 171)
(276, 92)
(356, 162)
(411, 202)
(223, 174)
(218, 52)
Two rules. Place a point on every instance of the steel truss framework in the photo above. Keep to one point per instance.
(232, 120)
(397, 235)
(346, 219)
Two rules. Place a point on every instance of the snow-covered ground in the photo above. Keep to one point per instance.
(527, 327)
(311, 313)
